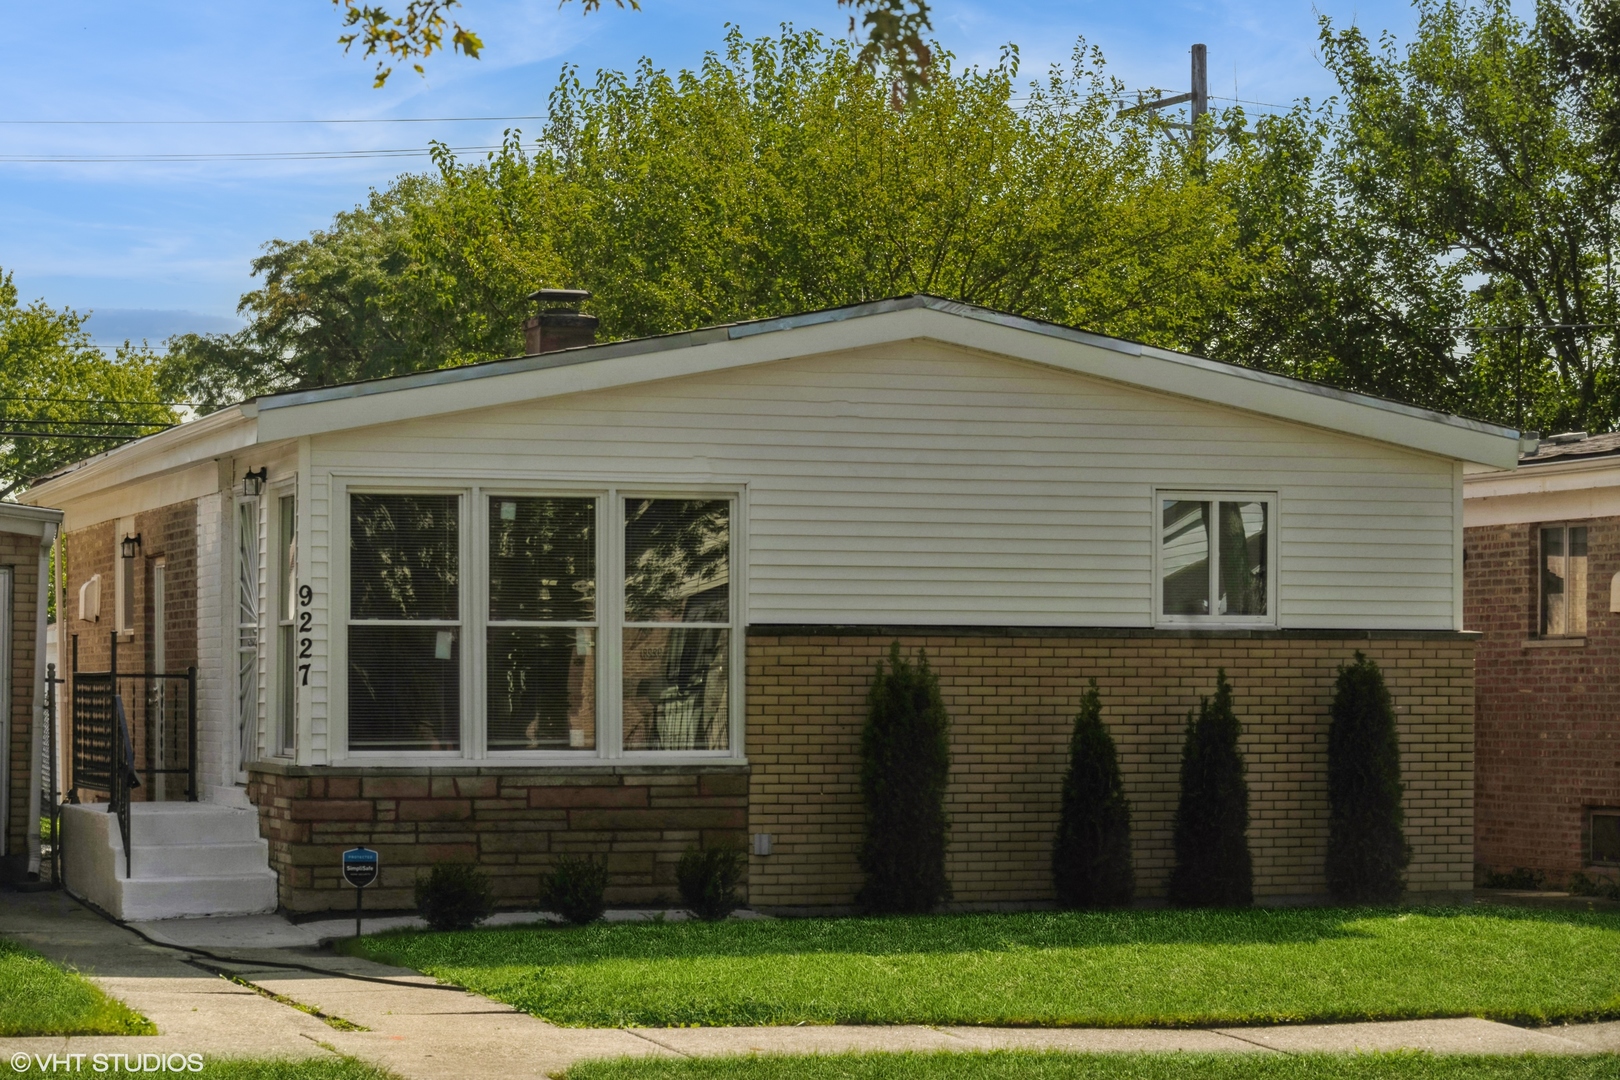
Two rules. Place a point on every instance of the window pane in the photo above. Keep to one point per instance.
(403, 556)
(1575, 582)
(677, 560)
(404, 688)
(1553, 605)
(1184, 557)
(288, 521)
(288, 702)
(675, 688)
(1606, 838)
(542, 689)
(542, 559)
(1243, 554)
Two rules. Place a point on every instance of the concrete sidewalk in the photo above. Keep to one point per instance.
(424, 1031)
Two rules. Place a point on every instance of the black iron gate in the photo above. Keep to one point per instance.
(133, 731)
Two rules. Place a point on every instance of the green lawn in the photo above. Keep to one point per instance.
(1131, 968)
(1015, 1065)
(39, 998)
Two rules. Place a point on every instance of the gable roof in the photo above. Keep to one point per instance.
(274, 417)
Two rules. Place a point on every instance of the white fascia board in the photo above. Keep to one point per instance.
(1576, 474)
(21, 520)
(1118, 361)
(217, 435)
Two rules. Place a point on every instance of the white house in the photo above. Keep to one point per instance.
(626, 598)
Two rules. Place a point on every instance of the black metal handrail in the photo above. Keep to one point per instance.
(103, 729)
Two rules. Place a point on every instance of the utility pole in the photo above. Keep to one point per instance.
(1198, 97)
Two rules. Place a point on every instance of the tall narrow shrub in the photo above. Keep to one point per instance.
(905, 765)
(1212, 868)
(1091, 858)
(1366, 847)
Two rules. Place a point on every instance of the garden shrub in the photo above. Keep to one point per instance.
(905, 765)
(1091, 858)
(1367, 849)
(1580, 884)
(1213, 868)
(574, 889)
(708, 880)
(454, 896)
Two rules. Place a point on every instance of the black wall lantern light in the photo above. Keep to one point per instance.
(253, 481)
(130, 546)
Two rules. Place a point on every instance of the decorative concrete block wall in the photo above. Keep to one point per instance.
(513, 823)
(1012, 697)
(1546, 737)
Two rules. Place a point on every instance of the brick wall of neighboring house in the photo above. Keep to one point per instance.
(514, 823)
(21, 554)
(167, 532)
(1546, 744)
(1012, 699)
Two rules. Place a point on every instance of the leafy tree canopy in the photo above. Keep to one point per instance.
(63, 398)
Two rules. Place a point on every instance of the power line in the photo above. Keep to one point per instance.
(87, 423)
(66, 435)
(288, 155)
(93, 401)
(190, 123)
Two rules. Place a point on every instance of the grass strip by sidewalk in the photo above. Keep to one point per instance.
(1036, 1065)
(39, 998)
(1128, 968)
(329, 1068)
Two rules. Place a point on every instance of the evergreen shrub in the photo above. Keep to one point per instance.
(454, 896)
(905, 766)
(1213, 868)
(1091, 858)
(708, 879)
(1367, 849)
(575, 888)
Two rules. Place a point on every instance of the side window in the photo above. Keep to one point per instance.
(1214, 558)
(1563, 581)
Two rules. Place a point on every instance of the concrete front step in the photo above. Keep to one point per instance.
(186, 859)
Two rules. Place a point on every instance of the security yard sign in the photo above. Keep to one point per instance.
(359, 869)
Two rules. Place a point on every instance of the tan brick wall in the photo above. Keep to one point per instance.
(1012, 699)
(513, 823)
(21, 553)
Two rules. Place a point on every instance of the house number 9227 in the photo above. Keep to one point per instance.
(306, 621)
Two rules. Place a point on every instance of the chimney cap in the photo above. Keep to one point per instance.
(560, 296)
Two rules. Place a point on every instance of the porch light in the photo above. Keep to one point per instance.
(130, 546)
(253, 481)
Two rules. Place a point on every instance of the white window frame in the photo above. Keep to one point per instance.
(1541, 578)
(475, 493)
(1215, 620)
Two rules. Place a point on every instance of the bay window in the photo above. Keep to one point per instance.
(1213, 558)
(496, 622)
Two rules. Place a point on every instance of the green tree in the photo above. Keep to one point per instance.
(905, 767)
(1472, 149)
(64, 399)
(1091, 857)
(774, 179)
(1366, 846)
(1212, 867)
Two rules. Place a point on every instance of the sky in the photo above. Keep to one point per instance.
(155, 247)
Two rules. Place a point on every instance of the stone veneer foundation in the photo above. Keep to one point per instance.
(1012, 695)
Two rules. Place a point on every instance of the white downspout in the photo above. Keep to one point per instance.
(36, 774)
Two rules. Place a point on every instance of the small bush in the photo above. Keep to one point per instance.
(574, 889)
(1213, 868)
(454, 896)
(905, 765)
(708, 879)
(1367, 849)
(1579, 885)
(1091, 858)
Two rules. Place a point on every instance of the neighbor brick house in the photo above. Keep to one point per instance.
(1543, 589)
(622, 599)
(26, 536)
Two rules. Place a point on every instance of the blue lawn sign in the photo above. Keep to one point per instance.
(360, 868)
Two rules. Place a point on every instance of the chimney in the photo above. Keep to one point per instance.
(559, 324)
